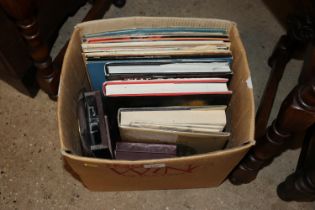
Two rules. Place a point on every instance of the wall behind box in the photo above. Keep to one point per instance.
(206, 170)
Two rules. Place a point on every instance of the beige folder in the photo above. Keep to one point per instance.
(201, 142)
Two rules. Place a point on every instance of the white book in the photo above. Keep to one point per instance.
(162, 88)
(186, 86)
(223, 67)
(195, 50)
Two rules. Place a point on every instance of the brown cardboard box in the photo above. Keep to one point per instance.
(205, 170)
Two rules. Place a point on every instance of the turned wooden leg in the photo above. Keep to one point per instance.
(300, 186)
(280, 57)
(23, 11)
(119, 3)
(296, 114)
(299, 33)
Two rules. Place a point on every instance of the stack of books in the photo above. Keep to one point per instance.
(165, 86)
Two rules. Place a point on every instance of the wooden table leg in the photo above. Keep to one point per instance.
(23, 11)
(297, 113)
(96, 12)
(299, 33)
(281, 55)
(300, 186)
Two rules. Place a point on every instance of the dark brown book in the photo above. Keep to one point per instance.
(144, 151)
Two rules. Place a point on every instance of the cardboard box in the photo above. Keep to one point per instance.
(205, 170)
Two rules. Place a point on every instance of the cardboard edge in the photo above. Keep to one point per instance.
(164, 160)
(248, 81)
(60, 99)
(154, 19)
(135, 18)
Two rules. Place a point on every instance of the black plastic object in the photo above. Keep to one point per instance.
(93, 126)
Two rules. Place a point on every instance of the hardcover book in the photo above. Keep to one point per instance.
(144, 151)
(197, 127)
(98, 69)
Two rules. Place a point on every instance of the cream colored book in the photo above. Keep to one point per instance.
(168, 115)
(180, 127)
(197, 127)
(196, 50)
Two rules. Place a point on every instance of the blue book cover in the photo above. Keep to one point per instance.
(97, 69)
